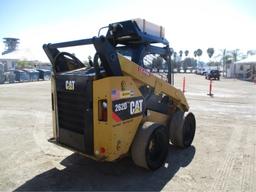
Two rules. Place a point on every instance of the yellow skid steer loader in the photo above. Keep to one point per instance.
(116, 106)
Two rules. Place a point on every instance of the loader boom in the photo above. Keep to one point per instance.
(159, 85)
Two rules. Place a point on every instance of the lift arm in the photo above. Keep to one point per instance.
(160, 86)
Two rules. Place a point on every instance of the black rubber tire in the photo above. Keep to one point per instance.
(182, 129)
(150, 146)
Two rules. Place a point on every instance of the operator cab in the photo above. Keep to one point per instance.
(137, 38)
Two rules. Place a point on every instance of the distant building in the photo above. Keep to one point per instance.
(11, 44)
(9, 61)
(11, 55)
(244, 69)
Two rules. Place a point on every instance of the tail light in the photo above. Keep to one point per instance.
(102, 150)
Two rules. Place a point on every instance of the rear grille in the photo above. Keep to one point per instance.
(71, 111)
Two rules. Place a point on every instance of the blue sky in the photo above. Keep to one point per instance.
(16, 15)
(188, 24)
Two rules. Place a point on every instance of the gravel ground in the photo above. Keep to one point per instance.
(222, 158)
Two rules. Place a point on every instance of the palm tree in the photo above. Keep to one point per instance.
(181, 53)
(235, 53)
(225, 58)
(210, 52)
(175, 59)
(186, 53)
(199, 52)
(251, 52)
(175, 55)
(195, 53)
